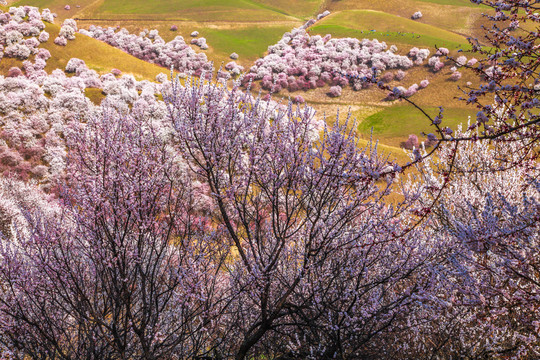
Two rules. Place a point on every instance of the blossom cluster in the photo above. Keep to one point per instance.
(300, 61)
(21, 31)
(67, 32)
(149, 46)
(36, 106)
(200, 42)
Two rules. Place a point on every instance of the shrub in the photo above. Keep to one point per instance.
(442, 51)
(335, 91)
(47, 15)
(472, 62)
(435, 63)
(19, 51)
(461, 60)
(400, 75)
(412, 142)
(322, 15)
(456, 75)
(43, 54)
(61, 41)
(161, 77)
(14, 72)
(75, 65)
(43, 36)
(387, 77)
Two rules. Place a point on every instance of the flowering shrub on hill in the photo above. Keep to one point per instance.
(149, 46)
(435, 63)
(456, 75)
(300, 61)
(19, 32)
(417, 15)
(418, 55)
(67, 32)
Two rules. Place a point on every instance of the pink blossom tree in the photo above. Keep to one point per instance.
(119, 264)
(277, 187)
(487, 222)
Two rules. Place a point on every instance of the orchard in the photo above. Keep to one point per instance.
(190, 218)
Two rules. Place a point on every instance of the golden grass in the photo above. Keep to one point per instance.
(98, 56)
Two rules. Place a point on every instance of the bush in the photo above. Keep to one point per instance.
(435, 63)
(442, 51)
(387, 77)
(14, 72)
(472, 62)
(43, 36)
(61, 41)
(412, 142)
(461, 60)
(400, 75)
(75, 65)
(335, 91)
(456, 75)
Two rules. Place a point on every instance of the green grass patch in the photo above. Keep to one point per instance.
(171, 6)
(298, 8)
(393, 125)
(250, 43)
(198, 10)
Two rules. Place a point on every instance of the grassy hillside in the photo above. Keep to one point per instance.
(387, 27)
(248, 27)
(97, 55)
(459, 16)
(392, 125)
